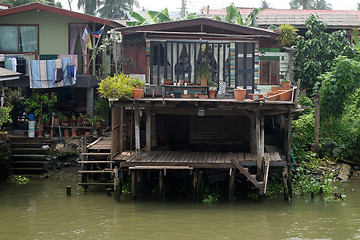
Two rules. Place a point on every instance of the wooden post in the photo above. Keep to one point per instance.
(287, 187)
(117, 187)
(148, 130)
(288, 136)
(231, 183)
(153, 131)
(258, 134)
(317, 124)
(133, 184)
(161, 185)
(253, 134)
(139, 186)
(121, 129)
(195, 185)
(137, 130)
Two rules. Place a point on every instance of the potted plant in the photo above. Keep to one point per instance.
(212, 89)
(38, 103)
(137, 88)
(167, 82)
(115, 87)
(285, 84)
(203, 72)
(239, 94)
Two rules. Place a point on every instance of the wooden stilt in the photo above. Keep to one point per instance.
(139, 186)
(137, 130)
(195, 186)
(258, 141)
(117, 188)
(133, 183)
(287, 195)
(161, 185)
(231, 183)
(200, 186)
(153, 131)
(266, 174)
(148, 130)
(121, 130)
(253, 135)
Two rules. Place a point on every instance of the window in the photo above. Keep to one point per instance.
(18, 39)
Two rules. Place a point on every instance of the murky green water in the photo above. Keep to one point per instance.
(41, 210)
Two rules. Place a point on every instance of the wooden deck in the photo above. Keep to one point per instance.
(165, 159)
(102, 143)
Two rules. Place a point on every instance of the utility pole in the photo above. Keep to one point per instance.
(182, 8)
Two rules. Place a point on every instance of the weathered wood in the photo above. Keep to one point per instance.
(231, 183)
(161, 185)
(96, 184)
(137, 130)
(195, 185)
(148, 130)
(258, 140)
(133, 183)
(121, 137)
(117, 187)
(95, 154)
(95, 142)
(317, 123)
(246, 173)
(161, 167)
(267, 167)
(94, 161)
(288, 137)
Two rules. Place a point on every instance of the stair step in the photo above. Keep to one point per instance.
(96, 154)
(30, 155)
(27, 162)
(261, 183)
(27, 169)
(96, 171)
(27, 149)
(95, 161)
(253, 175)
(96, 184)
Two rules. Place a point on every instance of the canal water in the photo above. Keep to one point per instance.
(41, 210)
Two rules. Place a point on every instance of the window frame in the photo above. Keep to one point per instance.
(18, 39)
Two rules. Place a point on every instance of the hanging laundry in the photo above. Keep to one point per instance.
(51, 67)
(74, 59)
(35, 79)
(86, 38)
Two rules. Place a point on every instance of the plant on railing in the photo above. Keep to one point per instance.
(137, 83)
(117, 86)
(213, 85)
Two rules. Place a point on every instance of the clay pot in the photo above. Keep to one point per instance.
(239, 94)
(73, 132)
(203, 81)
(274, 89)
(66, 133)
(56, 121)
(270, 94)
(203, 96)
(212, 93)
(251, 96)
(138, 93)
(284, 96)
(285, 86)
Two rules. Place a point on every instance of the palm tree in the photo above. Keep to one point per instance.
(306, 4)
(116, 8)
(88, 6)
(264, 4)
(321, 4)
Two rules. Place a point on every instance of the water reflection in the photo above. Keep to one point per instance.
(41, 210)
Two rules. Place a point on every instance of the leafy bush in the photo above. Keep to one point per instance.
(287, 35)
(117, 86)
(5, 115)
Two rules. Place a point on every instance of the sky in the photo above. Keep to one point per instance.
(196, 5)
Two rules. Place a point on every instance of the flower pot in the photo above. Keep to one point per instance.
(271, 97)
(40, 129)
(73, 132)
(260, 96)
(285, 85)
(137, 93)
(66, 133)
(203, 81)
(203, 96)
(274, 89)
(284, 96)
(239, 94)
(56, 121)
(212, 93)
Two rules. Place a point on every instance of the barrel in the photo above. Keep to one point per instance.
(31, 131)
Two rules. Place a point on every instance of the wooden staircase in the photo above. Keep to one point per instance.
(29, 156)
(97, 166)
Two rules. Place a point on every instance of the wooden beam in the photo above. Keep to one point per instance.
(133, 183)
(137, 130)
(148, 130)
(231, 183)
(245, 172)
(266, 176)
(258, 140)
(161, 185)
(121, 137)
(117, 186)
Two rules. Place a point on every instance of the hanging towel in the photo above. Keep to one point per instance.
(51, 68)
(35, 80)
(8, 64)
(13, 64)
(74, 59)
(59, 76)
(65, 63)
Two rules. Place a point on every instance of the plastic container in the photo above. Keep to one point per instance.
(31, 131)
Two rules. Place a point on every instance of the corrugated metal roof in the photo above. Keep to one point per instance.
(5, 73)
(297, 17)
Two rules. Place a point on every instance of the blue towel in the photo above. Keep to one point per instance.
(65, 63)
(35, 74)
(51, 72)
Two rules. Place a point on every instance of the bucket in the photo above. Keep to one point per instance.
(31, 131)
(31, 116)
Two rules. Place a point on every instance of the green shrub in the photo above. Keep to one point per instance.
(117, 86)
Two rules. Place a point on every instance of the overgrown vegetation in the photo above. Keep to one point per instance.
(19, 179)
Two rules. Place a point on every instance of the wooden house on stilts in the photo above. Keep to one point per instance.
(175, 127)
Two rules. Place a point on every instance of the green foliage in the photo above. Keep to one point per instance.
(302, 134)
(102, 109)
(203, 71)
(212, 195)
(315, 54)
(19, 179)
(158, 17)
(356, 39)
(40, 104)
(338, 85)
(118, 86)
(287, 35)
(5, 115)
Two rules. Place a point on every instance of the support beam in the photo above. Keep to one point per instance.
(137, 130)
(195, 186)
(259, 125)
(117, 184)
(133, 184)
(231, 183)
(122, 144)
(161, 185)
(148, 130)
(90, 101)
